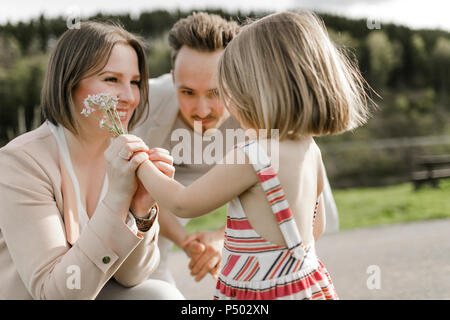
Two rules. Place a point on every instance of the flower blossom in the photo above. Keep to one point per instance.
(107, 104)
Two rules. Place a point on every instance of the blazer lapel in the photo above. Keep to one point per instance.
(70, 206)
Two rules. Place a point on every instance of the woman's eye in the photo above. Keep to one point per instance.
(135, 82)
(188, 93)
(112, 79)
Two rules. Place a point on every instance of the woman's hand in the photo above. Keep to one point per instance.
(123, 157)
(142, 200)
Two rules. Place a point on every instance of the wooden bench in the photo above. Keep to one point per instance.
(429, 169)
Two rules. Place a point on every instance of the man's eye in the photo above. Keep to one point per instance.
(213, 95)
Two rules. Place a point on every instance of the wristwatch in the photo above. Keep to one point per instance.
(144, 224)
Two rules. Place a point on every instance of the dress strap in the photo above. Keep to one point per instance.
(275, 196)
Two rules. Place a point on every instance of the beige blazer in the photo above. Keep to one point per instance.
(163, 112)
(42, 253)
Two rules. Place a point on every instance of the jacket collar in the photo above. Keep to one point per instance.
(70, 207)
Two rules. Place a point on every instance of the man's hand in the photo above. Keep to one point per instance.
(194, 248)
(209, 259)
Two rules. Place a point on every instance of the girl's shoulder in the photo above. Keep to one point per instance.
(274, 148)
(298, 148)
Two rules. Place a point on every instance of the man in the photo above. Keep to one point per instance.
(177, 100)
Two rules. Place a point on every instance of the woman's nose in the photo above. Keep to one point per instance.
(126, 95)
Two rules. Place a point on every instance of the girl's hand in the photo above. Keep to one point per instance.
(208, 261)
(162, 159)
(123, 157)
(193, 248)
(142, 200)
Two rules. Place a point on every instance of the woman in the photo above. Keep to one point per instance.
(74, 221)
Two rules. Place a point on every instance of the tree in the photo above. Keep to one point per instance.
(441, 62)
(9, 52)
(420, 63)
(348, 44)
(382, 59)
(20, 96)
(159, 61)
(43, 33)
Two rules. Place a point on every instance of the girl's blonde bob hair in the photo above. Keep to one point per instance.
(283, 72)
(80, 53)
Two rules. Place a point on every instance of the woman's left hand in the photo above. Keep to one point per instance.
(142, 200)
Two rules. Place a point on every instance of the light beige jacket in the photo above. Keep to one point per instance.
(41, 249)
(163, 112)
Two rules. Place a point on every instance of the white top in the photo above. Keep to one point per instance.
(83, 218)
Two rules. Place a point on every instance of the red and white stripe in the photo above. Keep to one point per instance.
(255, 268)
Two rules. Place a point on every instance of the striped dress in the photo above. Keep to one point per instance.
(256, 269)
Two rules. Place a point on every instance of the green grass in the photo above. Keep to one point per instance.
(365, 207)
(385, 205)
(210, 221)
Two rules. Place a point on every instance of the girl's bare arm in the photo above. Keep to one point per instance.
(320, 222)
(218, 186)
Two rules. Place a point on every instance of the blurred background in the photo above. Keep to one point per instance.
(401, 47)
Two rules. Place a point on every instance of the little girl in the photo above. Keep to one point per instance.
(281, 72)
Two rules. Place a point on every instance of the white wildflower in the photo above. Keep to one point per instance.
(102, 123)
(108, 104)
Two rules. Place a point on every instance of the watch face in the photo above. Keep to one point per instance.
(154, 210)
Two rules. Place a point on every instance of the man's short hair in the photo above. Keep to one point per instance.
(201, 31)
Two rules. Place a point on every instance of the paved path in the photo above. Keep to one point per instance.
(413, 260)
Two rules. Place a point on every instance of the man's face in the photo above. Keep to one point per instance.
(194, 77)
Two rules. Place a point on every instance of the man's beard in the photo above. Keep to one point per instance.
(205, 127)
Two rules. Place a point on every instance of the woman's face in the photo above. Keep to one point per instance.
(120, 77)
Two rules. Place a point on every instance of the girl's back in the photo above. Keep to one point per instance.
(299, 171)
